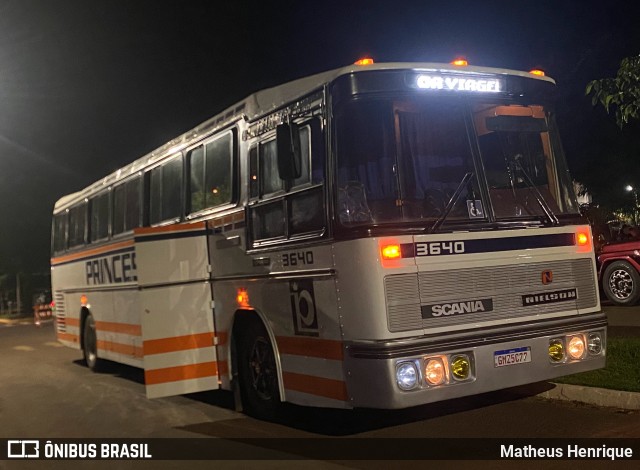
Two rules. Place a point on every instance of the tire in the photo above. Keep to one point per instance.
(621, 283)
(90, 345)
(257, 372)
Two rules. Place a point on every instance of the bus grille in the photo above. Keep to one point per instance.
(60, 314)
(504, 285)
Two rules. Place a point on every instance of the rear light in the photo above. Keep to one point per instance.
(460, 62)
(537, 72)
(582, 238)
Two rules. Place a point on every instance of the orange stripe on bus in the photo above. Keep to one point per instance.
(311, 347)
(71, 321)
(177, 343)
(169, 228)
(329, 388)
(177, 373)
(94, 251)
(124, 349)
(124, 328)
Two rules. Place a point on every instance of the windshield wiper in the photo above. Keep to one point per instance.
(452, 201)
(553, 219)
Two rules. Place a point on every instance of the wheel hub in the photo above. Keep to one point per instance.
(621, 284)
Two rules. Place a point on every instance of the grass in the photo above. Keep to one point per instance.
(622, 371)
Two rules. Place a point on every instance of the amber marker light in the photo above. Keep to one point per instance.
(460, 62)
(537, 72)
(582, 238)
(391, 251)
(364, 61)
(242, 298)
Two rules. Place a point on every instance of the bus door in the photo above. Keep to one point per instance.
(176, 310)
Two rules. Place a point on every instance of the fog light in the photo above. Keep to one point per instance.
(434, 371)
(460, 367)
(595, 344)
(576, 347)
(406, 375)
(556, 350)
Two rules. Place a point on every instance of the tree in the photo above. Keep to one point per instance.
(622, 93)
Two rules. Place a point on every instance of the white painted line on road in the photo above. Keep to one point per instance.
(24, 348)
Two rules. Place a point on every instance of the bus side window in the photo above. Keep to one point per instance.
(126, 206)
(269, 177)
(165, 191)
(60, 232)
(77, 225)
(212, 173)
(254, 184)
(99, 226)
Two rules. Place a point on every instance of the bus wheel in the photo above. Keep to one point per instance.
(621, 283)
(257, 372)
(90, 344)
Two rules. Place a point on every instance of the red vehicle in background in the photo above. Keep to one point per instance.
(619, 265)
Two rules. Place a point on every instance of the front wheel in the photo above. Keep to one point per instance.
(621, 283)
(90, 344)
(257, 372)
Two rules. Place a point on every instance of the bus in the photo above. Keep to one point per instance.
(382, 235)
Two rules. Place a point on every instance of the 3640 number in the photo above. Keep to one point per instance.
(297, 258)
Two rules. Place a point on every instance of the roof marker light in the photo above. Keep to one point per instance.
(364, 61)
(460, 62)
(538, 72)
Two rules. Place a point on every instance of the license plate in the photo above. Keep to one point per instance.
(511, 357)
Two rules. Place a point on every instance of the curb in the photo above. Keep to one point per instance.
(593, 396)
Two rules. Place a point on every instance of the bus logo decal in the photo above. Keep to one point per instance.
(457, 308)
(549, 297)
(303, 307)
(547, 277)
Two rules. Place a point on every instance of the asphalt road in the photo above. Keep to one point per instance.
(47, 392)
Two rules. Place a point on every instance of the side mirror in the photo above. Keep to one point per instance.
(289, 158)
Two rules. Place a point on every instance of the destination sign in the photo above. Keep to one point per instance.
(459, 83)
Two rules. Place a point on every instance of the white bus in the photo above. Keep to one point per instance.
(382, 235)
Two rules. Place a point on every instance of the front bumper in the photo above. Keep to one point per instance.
(371, 366)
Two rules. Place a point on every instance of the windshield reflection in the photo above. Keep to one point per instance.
(402, 161)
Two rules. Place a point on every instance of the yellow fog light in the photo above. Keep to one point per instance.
(576, 347)
(435, 371)
(556, 350)
(460, 367)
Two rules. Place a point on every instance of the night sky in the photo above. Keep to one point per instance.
(87, 86)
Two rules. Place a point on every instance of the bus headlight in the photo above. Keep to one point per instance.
(461, 367)
(595, 344)
(556, 350)
(434, 371)
(406, 375)
(576, 347)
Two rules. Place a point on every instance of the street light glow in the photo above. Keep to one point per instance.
(628, 187)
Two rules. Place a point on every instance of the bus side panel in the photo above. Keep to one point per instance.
(298, 305)
(176, 310)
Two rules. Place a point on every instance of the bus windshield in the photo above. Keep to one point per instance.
(420, 161)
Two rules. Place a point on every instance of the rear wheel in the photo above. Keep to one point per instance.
(257, 372)
(90, 344)
(621, 283)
